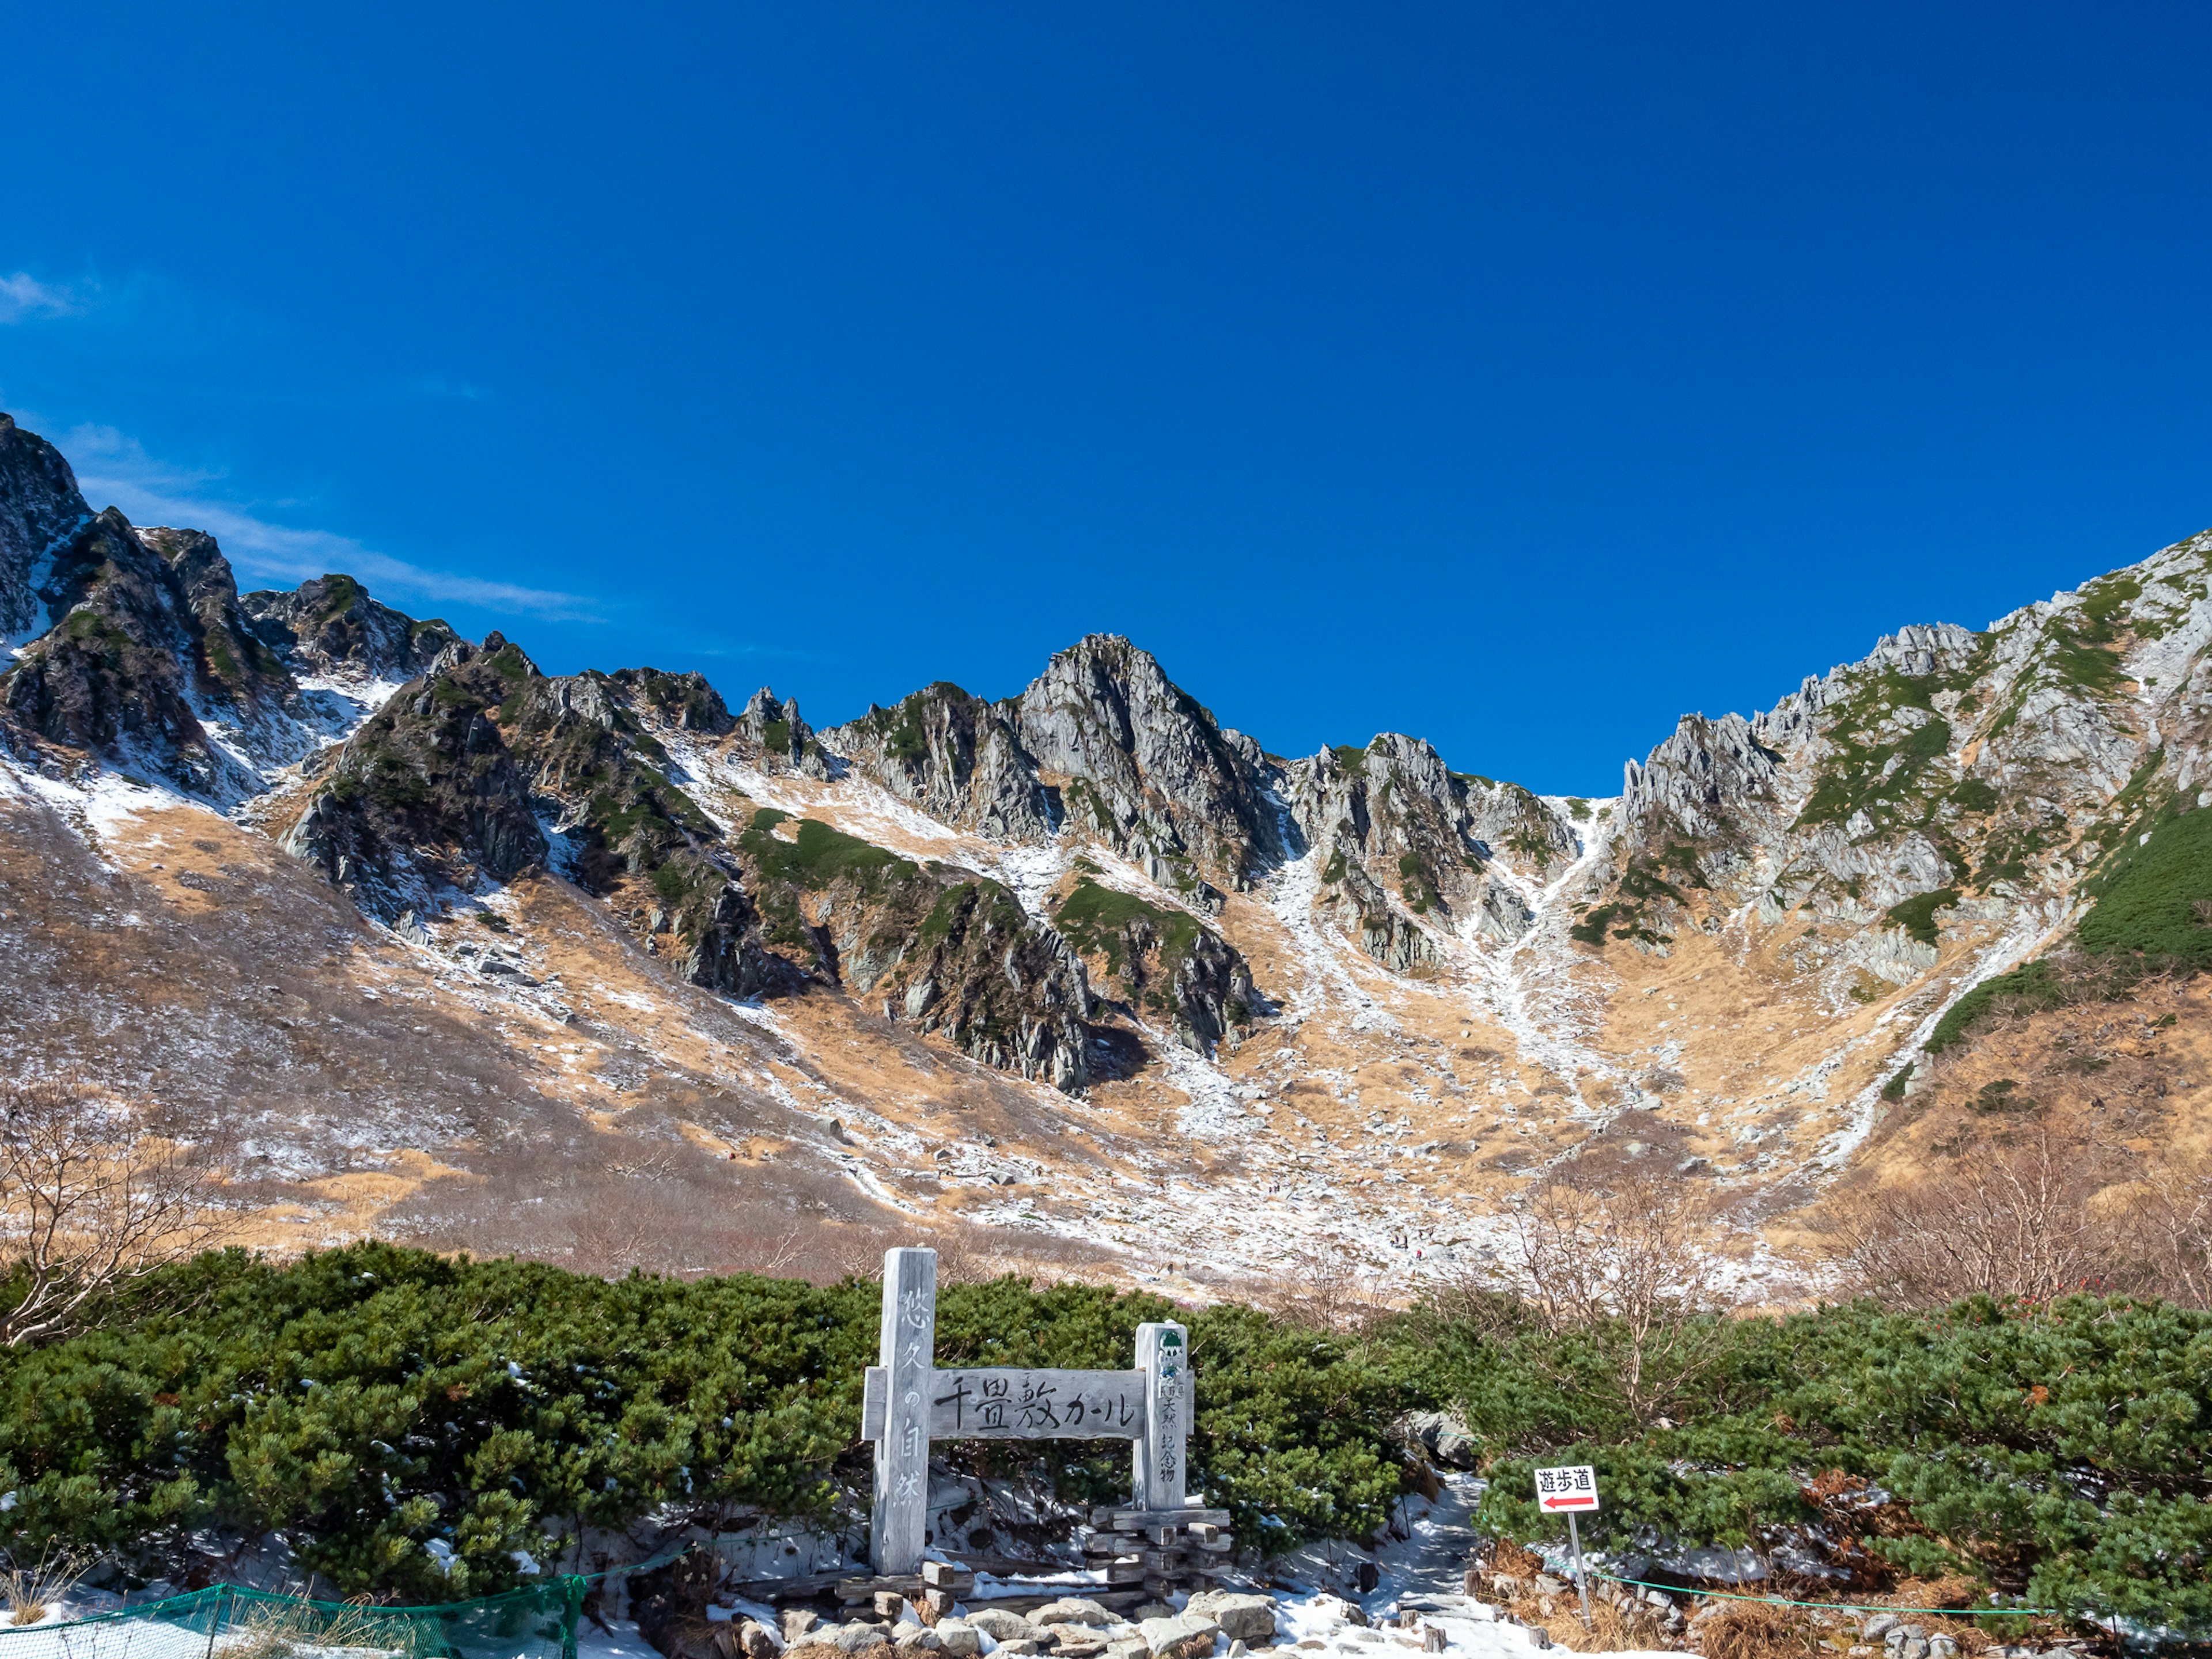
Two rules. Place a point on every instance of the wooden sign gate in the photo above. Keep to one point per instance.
(908, 1402)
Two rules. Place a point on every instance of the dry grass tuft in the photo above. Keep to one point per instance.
(1747, 1630)
(31, 1591)
(289, 1630)
(1609, 1631)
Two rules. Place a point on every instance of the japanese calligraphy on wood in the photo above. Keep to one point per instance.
(907, 1402)
(1164, 1361)
(898, 1527)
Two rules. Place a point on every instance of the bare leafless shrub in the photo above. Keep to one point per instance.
(91, 1196)
(2164, 1230)
(2000, 1219)
(1322, 1288)
(1625, 1262)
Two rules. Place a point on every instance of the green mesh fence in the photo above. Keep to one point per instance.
(538, 1622)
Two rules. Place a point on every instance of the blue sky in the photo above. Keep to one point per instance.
(1520, 377)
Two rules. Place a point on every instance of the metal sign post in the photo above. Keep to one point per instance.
(908, 1403)
(1571, 1491)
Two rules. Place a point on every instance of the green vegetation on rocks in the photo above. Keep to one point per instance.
(1100, 920)
(1916, 915)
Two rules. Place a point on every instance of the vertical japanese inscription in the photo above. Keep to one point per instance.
(899, 1524)
(1163, 1357)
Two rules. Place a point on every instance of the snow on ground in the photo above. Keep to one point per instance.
(1290, 893)
(618, 1639)
(1527, 987)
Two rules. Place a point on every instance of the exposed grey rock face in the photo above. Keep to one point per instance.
(956, 757)
(1702, 777)
(1139, 763)
(149, 647)
(40, 510)
(426, 794)
(772, 725)
(1395, 817)
(331, 627)
(685, 700)
(1939, 783)
(1101, 743)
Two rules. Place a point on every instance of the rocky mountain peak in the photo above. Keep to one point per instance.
(40, 509)
(329, 627)
(1145, 767)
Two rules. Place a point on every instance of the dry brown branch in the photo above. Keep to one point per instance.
(1626, 1258)
(2165, 1228)
(90, 1198)
(1321, 1288)
(2001, 1220)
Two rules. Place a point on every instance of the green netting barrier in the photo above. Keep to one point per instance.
(226, 1622)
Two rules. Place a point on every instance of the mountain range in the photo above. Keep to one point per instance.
(609, 968)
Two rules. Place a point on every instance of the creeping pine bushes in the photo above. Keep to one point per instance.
(371, 1402)
(2057, 1450)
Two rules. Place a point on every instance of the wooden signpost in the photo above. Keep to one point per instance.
(908, 1402)
(1570, 1490)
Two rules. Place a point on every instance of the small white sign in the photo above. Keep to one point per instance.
(1571, 1489)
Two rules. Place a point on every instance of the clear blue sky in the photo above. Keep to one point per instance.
(1519, 376)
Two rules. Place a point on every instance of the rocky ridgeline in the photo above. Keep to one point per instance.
(1953, 782)
(152, 664)
(1102, 744)
(1951, 779)
(1395, 820)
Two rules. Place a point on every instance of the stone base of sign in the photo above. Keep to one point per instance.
(1163, 1550)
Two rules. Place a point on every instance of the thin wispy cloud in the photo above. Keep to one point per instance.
(23, 297)
(111, 467)
(438, 386)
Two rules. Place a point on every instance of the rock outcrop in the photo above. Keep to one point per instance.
(40, 510)
(150, 665)
(1141, 765)
(955, 756)
(1162, 964)
(426, 796)
(330, 628)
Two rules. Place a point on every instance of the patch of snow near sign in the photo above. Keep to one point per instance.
(1421, 1574)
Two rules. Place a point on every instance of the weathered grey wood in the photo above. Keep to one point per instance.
(1164, 1356)
(898, 1525)
(1138, 1520)
(1000, 1403)
(875, 1402)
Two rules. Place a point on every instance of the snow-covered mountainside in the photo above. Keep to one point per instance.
(590, 966)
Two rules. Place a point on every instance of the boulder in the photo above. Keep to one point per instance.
(1071, 1610)
(797, 1621)
(755, 1641)
(1187, 1636)
(1242, 1618)
(958, 1637)
(918, 1638)
(1001, 1625)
